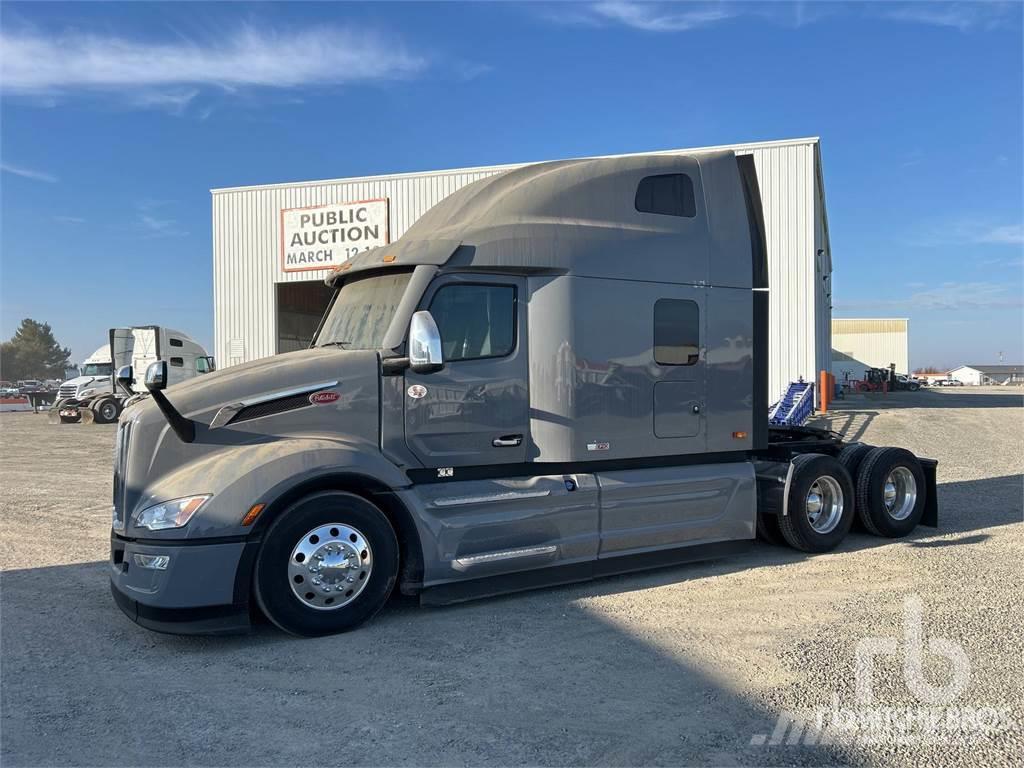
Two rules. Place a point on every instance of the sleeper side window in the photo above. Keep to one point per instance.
(676, 332)
(176, 342)
(178, 362)
(475, 321)
(670, 194)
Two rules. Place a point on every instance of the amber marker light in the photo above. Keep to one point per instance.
(252, 514)
(739, 435)
(389, 258)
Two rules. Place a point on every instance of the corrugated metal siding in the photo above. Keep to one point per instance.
(246, 251)
(860, 343)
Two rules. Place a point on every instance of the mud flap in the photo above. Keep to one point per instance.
(930, 517)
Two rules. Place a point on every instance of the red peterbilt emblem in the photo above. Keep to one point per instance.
(323, 398)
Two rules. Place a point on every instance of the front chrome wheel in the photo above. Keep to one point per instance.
(824, 504)
(330, 566)
(900, 493)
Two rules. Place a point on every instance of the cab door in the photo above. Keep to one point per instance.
(475, 410)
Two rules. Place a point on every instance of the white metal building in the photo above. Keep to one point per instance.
(988, 374)
(874, 342)
(274, 244)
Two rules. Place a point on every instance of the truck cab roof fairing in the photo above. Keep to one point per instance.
(576, 217)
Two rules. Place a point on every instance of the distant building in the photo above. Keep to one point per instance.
(873, 342)
(989, 374)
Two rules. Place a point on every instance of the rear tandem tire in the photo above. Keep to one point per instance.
(292, 549)
(819, 508)
(891, 492)
(851, 457)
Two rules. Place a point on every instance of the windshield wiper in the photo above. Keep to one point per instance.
(342, 344)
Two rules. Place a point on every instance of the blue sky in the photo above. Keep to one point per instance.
(117, 119)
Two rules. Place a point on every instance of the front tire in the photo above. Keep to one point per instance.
(890, 492)
(107, 410)
(327, 564)
(819, 508)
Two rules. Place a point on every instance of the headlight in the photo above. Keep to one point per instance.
(86, 392)
(169, 514)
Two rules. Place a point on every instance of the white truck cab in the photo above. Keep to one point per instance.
(93, 377)
(91, 396)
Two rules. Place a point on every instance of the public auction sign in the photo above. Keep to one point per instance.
(325, 236)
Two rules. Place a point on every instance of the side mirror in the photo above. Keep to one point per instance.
(425, 354)
(124, 378)
(156, 376)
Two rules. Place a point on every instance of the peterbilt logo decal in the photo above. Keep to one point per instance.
(324, 398)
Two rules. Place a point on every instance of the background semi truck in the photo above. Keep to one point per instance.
(558, 372)
(92, 395)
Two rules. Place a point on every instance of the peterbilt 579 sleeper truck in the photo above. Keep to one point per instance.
(558, 372)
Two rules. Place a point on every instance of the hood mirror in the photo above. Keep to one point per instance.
(425, 354)
(124, 378)
(156, 376)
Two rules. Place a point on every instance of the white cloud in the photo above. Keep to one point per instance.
(946, 297)
(28, 173)
(34, 63)
(968, 231)
(652, 17)
(1012, 234)
(961, 16)
(174, 102)
(648, 17)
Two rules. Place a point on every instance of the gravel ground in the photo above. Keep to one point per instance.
(681, 666)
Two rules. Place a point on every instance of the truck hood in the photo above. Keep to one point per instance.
(270, 399)
(326, 400)
(267, 376)
(78, 381)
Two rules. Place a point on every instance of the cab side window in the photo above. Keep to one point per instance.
(475, 321)
(201, 365)
(669, 194)
(676, 332)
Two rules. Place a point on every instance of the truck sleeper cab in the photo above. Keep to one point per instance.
(558, 372)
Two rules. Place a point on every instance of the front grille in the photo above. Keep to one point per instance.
(124, 431)
(271, 407)
(68, 391)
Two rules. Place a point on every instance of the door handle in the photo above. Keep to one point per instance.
(507, 441)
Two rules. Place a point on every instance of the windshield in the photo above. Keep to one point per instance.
(97, 369)
(363, 310)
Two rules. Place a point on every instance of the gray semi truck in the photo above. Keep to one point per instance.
(558, 372)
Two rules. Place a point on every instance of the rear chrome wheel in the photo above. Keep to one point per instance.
(900, 493)
(890, 492)
(824, 504)
(819, 506)
(329, 567)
